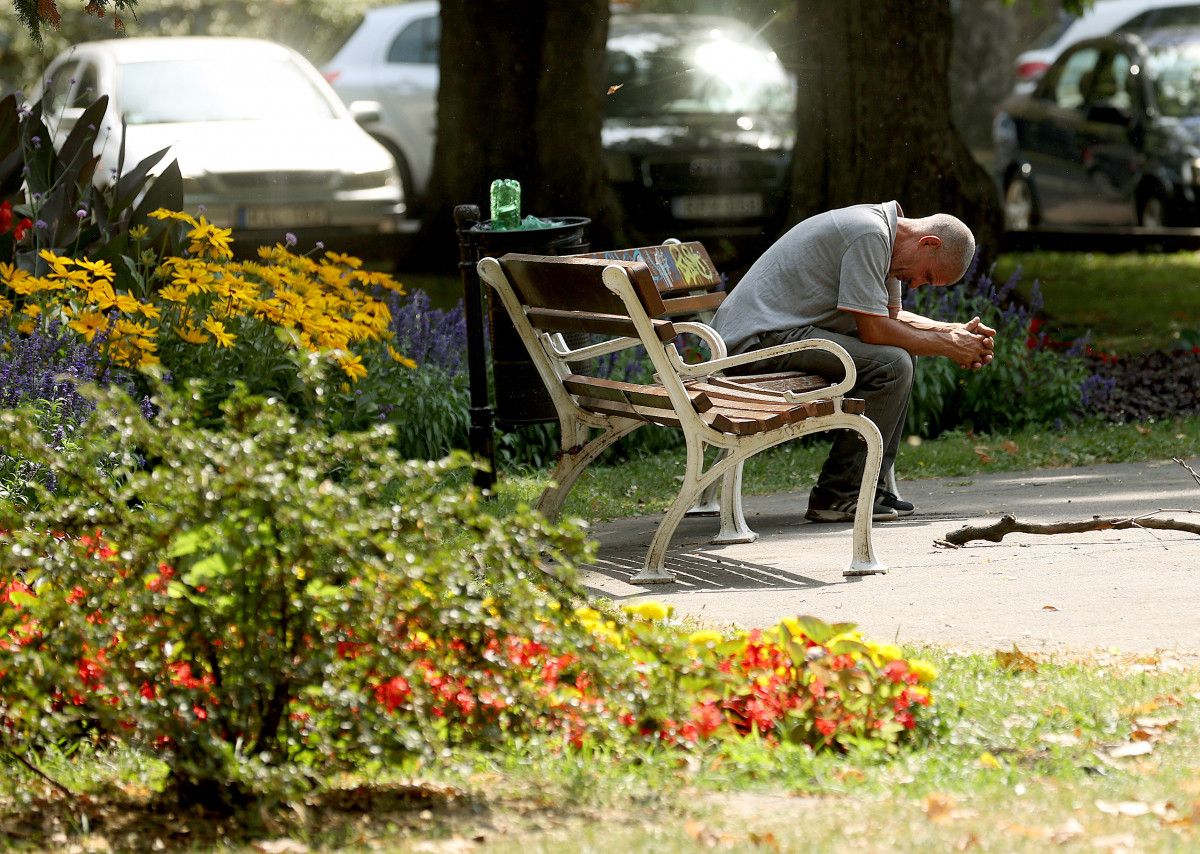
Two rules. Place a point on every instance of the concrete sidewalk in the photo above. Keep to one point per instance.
(1135, 590)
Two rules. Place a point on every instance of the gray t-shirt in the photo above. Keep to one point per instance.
(823, 269)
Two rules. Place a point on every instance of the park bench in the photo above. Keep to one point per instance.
(631, 298)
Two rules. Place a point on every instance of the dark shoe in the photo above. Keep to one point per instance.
(842, 510)
(883, 498)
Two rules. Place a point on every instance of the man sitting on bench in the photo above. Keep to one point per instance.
(838, 276)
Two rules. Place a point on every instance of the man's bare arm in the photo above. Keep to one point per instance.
(968, 344)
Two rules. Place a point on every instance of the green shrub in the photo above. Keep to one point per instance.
(242, 602)
(1027, 383)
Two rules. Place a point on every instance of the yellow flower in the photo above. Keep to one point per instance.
(149, 310)
(32, 310)
(353, 366)
(404, 360)
(704, 638)
(652, 611)
(925, 671)
(26, 328)
(58, 264)
(209, 241)
(5, 307)
(224, 339)
(194, 278)
(148, 359)
(99, 269)
(101, 293)
(191, 334)
(25, 284)
(125, 303)
(10, 273)
(178, 216)
(346, 260)
(88, 324)
(173, 293)
(138, 232)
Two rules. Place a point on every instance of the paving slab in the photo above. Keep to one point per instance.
(1133, 591)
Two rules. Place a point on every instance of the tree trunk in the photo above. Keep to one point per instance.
(874, 115)
(520, 96)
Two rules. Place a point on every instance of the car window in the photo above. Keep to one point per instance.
(1068, 82)
(418, 42)
(237, 88)
(1111, 82)
(1175, 71)
(58, 88)
(85, 88)
(693, 70)
(1174, 16)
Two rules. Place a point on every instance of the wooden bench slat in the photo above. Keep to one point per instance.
(594, 323)
(675, 268)
(665, 417)
(573, 283)
(791, 381)
(693, 304)
(633, 393)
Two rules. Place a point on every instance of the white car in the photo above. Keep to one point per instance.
(391, 59)
(262, 141)
(1103, 18)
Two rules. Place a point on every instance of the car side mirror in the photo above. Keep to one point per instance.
(366, 112)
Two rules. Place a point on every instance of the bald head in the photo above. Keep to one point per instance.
(958, 243)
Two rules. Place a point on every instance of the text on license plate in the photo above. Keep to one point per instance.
(730, 206)
(282, 216)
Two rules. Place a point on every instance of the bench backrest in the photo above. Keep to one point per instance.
(568, 294)
(683, 273)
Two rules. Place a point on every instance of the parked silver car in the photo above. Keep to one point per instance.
(263, 143)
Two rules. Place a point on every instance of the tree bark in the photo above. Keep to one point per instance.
(874, 117)
(520, 96)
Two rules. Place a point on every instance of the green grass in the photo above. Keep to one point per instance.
(1131, 302)
(1012, 761)
(647, 484)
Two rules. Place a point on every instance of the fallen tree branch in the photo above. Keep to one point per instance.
(1009, 524)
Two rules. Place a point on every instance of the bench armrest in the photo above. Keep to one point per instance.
(717, 365)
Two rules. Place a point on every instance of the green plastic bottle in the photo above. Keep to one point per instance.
(506, 204)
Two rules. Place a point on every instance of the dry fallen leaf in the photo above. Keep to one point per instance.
(612, 89)
(1128, 808)
(1133, 748)
(1026, 830)
(1067, 832)
(1145, 431)
(280, 846)
(938, 806)
(967, 842)
(1010, 446)
(1117, 842)
(1049, 608)
(1015, 660)
(981, 451)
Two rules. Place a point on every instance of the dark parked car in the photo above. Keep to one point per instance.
(699, 120)
(698, 137)
(1110, 136)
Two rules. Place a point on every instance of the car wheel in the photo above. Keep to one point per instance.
(1020, 210)
(411, 201)
(1152, 212)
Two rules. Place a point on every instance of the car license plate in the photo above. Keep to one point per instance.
(282, 216)
(730, 206)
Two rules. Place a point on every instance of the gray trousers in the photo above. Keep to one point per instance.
(885, 379)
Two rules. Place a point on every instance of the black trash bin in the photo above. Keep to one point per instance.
(521, 397)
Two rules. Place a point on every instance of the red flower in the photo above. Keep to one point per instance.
(826, 727)
(895, 671)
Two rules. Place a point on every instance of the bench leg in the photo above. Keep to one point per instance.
(654, 570)
(864, 561)
(571, 465)
(733, 522)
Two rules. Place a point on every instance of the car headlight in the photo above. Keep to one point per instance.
(371, 180)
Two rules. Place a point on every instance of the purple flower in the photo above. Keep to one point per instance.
(289, 239)
(429, 336)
